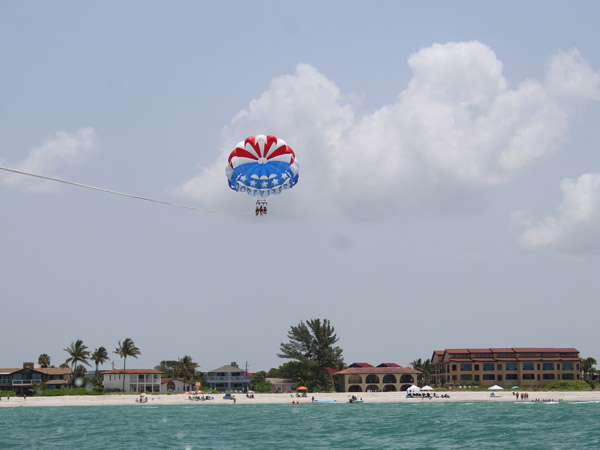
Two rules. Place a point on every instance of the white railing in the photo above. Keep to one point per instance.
(24, 382)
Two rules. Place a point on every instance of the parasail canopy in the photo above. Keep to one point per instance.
(262, 166)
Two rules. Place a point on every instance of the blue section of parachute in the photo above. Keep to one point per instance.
(270, 178)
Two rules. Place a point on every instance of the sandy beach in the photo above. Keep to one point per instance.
(241, 399)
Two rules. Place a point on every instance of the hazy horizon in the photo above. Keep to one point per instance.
(448, 197)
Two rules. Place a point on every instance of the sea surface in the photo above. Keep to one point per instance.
(308, 426)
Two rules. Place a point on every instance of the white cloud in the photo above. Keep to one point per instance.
(61, 149)
(575, 225)
(457, 129)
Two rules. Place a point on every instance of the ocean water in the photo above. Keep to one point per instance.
(337, 426)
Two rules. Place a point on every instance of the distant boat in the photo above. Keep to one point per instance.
(354, 401)
(329, 400)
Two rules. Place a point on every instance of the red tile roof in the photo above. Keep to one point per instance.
(330, 370)
(377, 370)
(545, 350)
(389, 365)
(166, 380)
(360, 365)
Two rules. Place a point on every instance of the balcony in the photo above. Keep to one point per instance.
(217, 379)
(25, 382)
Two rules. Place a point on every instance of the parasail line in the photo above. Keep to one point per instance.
(138, 197)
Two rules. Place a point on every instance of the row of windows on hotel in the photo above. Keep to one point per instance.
(465, 367)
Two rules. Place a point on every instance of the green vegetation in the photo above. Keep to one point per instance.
(8, 393)
(568, 385)
(311, 347)
(184, 368)
(72, 391)
(78, 352)
(125, 349)
(100, 356)
(426, 369)
(259, 383)
(44, 360)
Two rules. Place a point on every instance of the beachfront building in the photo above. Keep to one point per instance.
(228, 379)
(522, 366)
(22, 380)
(386, 377)
(175, 385)
(283, 384)
(136, 380)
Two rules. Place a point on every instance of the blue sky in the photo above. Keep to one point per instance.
(449, 191)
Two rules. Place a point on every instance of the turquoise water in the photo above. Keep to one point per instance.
(308, 426)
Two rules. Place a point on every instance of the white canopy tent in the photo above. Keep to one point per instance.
(414, 388)
(495, 388)
(427, 388)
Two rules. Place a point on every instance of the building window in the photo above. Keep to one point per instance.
(453, 367)
(511, 366)
(567, 366)
(476, 377)
(466, 366)
(489, 376)
(476, 366)
(548, 366)
(528, 366)
(488, 366)
(528, 376)
(548, 376)
(511, 376)
(466, 377)
(568, 376)
(499, 367)
(453, 377)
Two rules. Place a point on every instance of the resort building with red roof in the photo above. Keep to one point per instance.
(386, 377)
(522, 366)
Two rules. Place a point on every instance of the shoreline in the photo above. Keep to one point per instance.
(282, 399)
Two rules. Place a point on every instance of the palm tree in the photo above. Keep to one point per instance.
(78, 352)
(44, 360)
(587, 365)
(187, 367)
(125, 349)
(425, 367)
(100, 356)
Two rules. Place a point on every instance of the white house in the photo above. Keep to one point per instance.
(283, 384)
(136, 380)
(176, 385)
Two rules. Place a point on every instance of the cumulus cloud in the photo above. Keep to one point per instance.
(456, 130)
(56, 151)
(574, 227)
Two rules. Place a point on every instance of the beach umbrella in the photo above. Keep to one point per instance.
(515, 387)
(143, 394)
(302, 388)
(427, 388)
(199, 392)
(250, 392)
(495, 388)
